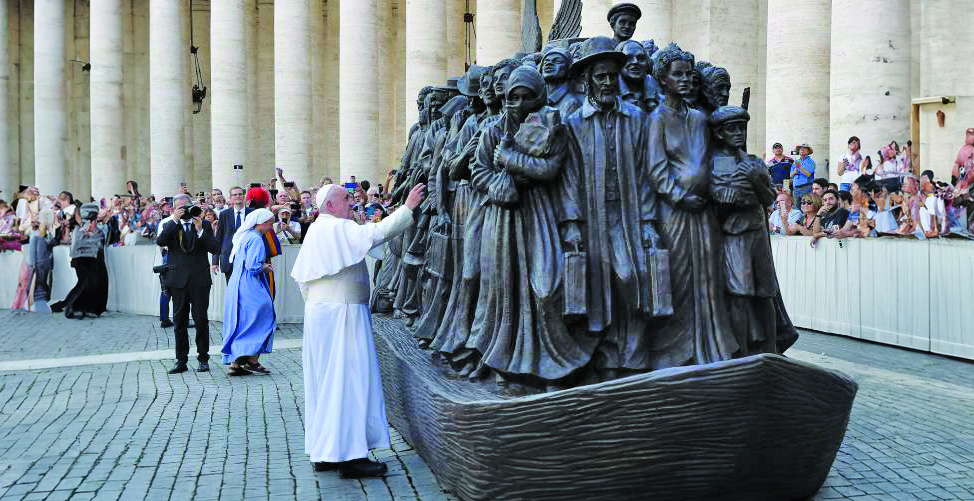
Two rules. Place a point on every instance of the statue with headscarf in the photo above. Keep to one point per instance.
(518, 329)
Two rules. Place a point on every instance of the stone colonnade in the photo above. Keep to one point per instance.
(328, 87)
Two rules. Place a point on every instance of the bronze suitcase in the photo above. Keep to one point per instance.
(575, 284)
(437, 252)
(659, 282)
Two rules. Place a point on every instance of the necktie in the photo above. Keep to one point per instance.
(186, 228)
(237, 224)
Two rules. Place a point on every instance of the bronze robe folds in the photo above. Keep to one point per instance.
(608, 156)
(699, 331)
(518, 326)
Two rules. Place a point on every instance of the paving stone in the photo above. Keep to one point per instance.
(131, 431)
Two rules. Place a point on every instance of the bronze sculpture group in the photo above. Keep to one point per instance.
(592, 213)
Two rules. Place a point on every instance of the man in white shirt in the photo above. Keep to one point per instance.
(783, 203)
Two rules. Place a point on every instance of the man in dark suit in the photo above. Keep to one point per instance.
(230, 219)
(188, 280)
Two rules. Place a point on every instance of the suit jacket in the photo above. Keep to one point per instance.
(226, 227)
(188, 266)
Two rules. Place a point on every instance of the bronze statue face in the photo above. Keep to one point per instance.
(486, 91)
(554, 67)
(678, 80)
(718, 94)
(603, 82)
(637, 62)
(623, 26)
(500, 81)
(520, 102)
(733, 133)
(436, 101)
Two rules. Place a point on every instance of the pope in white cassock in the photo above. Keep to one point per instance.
(345, 413)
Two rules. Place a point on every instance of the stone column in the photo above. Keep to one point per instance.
(168, 89)
(498, 31)
(359, 93)
(229, 101)
(456, 38)
(656, 22)
(107, 138)
(798, 76)
(944, 55)
(426, 46)
(870, 74)
(8, 183)
(25, 101)
(594, 23)
(265, 89)
(50, 98)
(293, 90)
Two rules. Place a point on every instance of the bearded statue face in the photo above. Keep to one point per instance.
(603, 82)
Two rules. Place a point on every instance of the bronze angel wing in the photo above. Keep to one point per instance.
(530, 28)
(568, 21)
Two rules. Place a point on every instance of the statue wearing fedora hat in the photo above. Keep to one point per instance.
(609, 154)
(741, 188)
(622, 18)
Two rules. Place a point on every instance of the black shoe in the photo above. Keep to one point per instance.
(238, 371)
(324, 466)
(204, 367)
(256, 368)
(165, 324)
(361, 468)
(178, 368)
(69, 312)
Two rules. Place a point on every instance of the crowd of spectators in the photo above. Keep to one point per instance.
(132, 218)
(888, 199)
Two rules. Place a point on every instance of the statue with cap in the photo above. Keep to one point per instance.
(622, 18)
(520, 332)
(741, 188)
(626, 272)
(555, 69)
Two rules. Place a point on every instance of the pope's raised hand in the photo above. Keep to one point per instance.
(415, 196)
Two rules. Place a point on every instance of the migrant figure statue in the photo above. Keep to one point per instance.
(457, 340)
(699, 330)
(609, 157)
(530, 208)
(741, 188)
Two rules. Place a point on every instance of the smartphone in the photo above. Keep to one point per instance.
(289, 184)
(255, 185)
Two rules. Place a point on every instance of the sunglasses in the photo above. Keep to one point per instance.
(807, 202)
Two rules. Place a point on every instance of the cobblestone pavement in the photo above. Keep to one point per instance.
(130, 431)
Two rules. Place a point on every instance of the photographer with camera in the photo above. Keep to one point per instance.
(187, 277)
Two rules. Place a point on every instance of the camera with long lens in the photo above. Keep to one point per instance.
(192, 211)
